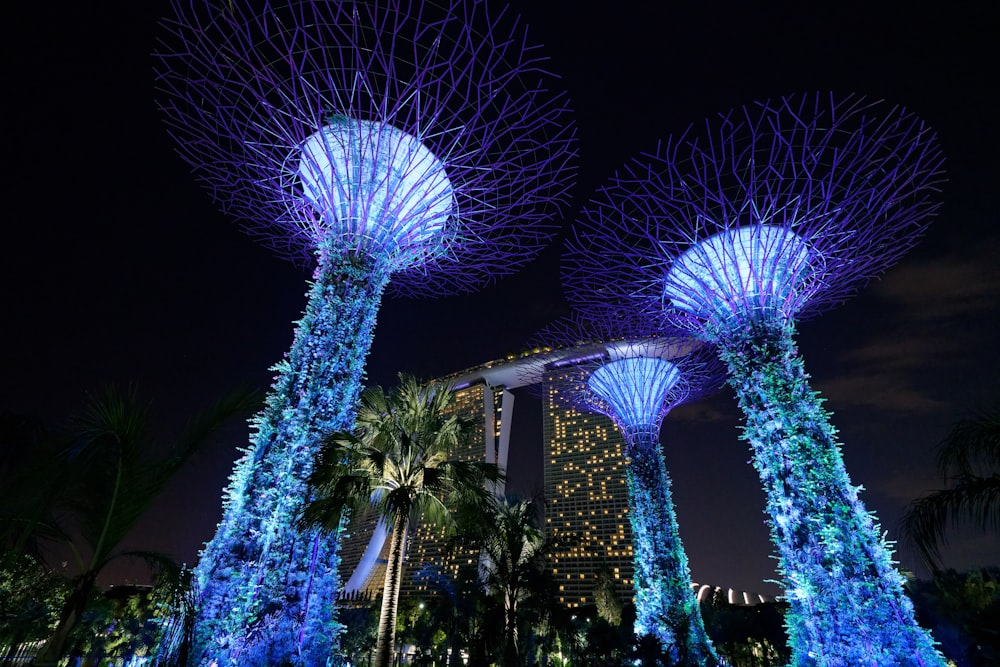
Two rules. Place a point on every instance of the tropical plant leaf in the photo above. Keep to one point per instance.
(112, 471)
(398, 460)
(973, 501)
(972, 445)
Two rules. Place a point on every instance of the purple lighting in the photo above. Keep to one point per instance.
(634, 388)
(733, 231)
(453, 95)
(739, 274)
(373, 142)
(371, 183)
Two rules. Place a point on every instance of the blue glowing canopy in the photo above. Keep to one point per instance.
(739, 271)
(376, 188)
(636, 388)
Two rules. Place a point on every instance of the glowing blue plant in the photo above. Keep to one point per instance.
(635, 380)
(375, 142)
(776, 212)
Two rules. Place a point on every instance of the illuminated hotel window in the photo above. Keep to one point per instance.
(578, 448)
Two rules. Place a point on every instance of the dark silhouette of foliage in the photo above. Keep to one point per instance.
(361, 630)
(747, 636)
(969, 462)
(514, 549)
(962, 609)
(28, 484)
(98, 482)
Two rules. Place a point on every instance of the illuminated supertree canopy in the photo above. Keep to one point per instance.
(373, 141)
(635, 378)
(771, 213)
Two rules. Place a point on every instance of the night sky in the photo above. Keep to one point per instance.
(118, 268)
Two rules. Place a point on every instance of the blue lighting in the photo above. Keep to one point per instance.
(739, 271)
(247, 574)
(636, 392)
(374, 141)
(732, 231)
(846, 600)
(635, 388)
(376, 187)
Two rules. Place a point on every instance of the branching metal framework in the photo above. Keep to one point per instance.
(768, 214)
(635, 378)
(393, 140)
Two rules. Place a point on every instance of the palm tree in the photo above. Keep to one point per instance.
(398, 459)
(968, 458)
(513, 547)
(111, 478)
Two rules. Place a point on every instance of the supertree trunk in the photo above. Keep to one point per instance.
(635, 373)
(847, 600)
(268, 587)
(405, 138)
(666, 606)
(386, 643)
(772, 213)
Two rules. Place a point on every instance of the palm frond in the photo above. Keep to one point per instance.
(972, 445)
(113, 412)
(165, 567)
(120, 478)
(203, 426)
(973, 501)
(340, 481)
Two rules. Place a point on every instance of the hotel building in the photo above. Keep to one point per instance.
(586, 496)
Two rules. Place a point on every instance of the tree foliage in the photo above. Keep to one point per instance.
(513, 550)
(31, 596)
(98, 479)
(963, 611)
(609, 607)
(969, 462)
(399, 460)
(747, 636)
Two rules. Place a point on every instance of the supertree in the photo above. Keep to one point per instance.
(771, 213)
(623, 370)
(394, 139)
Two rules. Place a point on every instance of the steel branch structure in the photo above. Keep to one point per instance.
(768, 214)
(372, 141)
(621, 370)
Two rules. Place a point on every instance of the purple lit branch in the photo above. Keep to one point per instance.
(244, 93)
(837, 191)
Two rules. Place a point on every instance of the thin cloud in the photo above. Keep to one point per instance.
(879, 390)
(932, 325)
(946, 287)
